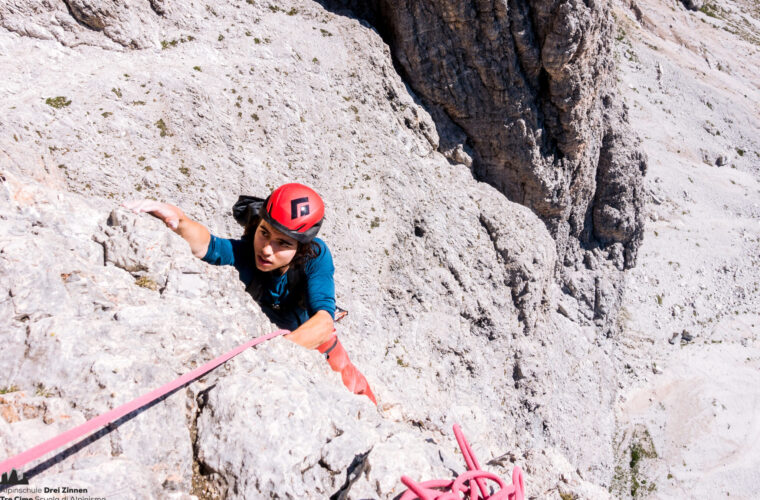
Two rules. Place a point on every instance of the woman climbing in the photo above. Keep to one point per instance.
(286, 269)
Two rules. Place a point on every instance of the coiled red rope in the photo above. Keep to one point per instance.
(472, 484)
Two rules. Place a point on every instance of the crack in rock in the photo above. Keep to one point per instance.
(359, 465)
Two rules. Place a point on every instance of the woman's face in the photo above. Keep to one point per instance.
(273, 250)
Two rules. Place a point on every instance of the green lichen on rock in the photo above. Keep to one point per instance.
(709, 10)
(628, 478)
(41, 390)
(161, 125)
(57, 102)
(146, 282)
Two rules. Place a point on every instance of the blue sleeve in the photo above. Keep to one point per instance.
(238, 253)
(320, 286)
(223, 252)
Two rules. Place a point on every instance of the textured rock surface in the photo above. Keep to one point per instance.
(76, 22)
(451, 286)
(693, 4)
(528, 88)
(690, 318)
(95, 318)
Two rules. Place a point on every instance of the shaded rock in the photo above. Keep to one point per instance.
(128, 24)
(159, 6)
(398, 453)
(526, 251)
(229, 446)
(618, 208)
(693, 4)
(106, 23)
(532, 87)
(441, 273)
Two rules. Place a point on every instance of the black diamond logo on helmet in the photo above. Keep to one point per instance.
(299, 211)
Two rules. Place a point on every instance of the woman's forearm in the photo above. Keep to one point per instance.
(196, 235)
(314, 332)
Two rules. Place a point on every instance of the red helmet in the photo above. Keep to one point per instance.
(294, 210)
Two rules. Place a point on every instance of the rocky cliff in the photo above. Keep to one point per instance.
(525, 93)
(476, 183)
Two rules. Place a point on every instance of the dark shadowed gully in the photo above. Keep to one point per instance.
(527, 88)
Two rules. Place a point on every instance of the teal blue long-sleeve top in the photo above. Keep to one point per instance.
(290, 307)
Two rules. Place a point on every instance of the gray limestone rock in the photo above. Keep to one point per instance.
(531, 85)
(526, 251)
(130, 24)
(693, 4)
(247, 418)
(108, 24)
(442, 274)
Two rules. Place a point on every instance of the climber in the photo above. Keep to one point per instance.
(286, 269)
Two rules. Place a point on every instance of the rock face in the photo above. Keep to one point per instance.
(691, 304)
(451, 286)
(693, 4)
(528, 88)
(128, 24)
(131, 25)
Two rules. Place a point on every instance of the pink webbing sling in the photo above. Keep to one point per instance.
(24, 458)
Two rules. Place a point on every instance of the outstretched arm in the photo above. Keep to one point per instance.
(196, 235)
(314, 332)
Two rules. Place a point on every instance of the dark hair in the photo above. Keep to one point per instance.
(304, 253)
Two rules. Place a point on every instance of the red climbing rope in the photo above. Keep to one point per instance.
(471, 484)
(338, 359)
(93, 424)
(333, 350)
